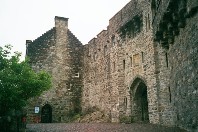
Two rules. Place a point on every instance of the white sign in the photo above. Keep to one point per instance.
(36, 109)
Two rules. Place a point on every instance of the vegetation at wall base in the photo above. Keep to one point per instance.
(18, 83)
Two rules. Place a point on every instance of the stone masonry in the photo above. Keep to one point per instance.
(60, 53)
(144, 67)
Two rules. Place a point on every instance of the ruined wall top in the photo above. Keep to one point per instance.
(124, 15)
(127, 13)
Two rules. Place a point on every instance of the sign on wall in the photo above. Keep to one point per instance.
(36, 109)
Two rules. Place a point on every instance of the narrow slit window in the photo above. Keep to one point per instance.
(125, 101)
(105, 50)
(149, 22)
(113, 66)
(95, 56)
(170, 99)
(166, 55)
(142, 57)
(123, 64)
(146, 23)
(131, 61)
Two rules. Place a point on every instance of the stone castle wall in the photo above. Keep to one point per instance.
(184, 69)
(39, 51)
(115, 59)
(143, 66)
(176, 31)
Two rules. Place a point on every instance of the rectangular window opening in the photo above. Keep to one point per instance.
(142, 57)
(131, 61)
(170, 99)
(113, 40)
(95, 56)
(105, 50)
(113, 66)
(77, 75)
(125, 101)
(166, 55)
(123, 64)
(148, 22)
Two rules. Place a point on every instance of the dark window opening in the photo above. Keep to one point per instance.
(123, 64)
(166, 55)
(170, 99)
(77, 75)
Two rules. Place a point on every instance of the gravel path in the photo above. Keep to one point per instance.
(98, 127)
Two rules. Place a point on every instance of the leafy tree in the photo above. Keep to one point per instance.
(18, 82)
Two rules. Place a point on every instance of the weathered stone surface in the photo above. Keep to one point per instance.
(144, 66)
(62, 57)
(180, 77)
(94, 117)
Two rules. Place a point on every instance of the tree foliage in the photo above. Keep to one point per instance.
(18, 82)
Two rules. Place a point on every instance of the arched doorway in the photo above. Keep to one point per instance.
(139, 101)
(46, 114)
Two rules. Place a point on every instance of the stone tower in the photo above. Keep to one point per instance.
(59, 52)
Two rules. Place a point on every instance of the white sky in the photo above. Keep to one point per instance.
(22, 20)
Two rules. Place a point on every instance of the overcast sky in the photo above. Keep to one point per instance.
(22, 20)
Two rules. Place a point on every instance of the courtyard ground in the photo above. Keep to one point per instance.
(99, 127)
